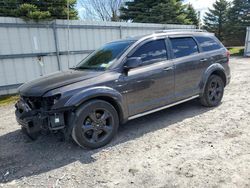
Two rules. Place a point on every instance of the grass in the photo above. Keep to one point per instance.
(9, 99)
(236, 51)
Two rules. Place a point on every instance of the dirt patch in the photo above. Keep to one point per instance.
(184, 146)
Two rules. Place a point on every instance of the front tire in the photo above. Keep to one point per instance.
(96, 124)
(31, 136)
(213, 92)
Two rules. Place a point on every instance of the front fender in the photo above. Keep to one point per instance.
(94, 92)
(210, 70)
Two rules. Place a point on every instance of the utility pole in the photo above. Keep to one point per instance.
(199, 17)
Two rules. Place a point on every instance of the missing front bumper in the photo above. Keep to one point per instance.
(35, 121)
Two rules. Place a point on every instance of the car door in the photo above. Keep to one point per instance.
(187, 62)
(212, 50)
(150, 85)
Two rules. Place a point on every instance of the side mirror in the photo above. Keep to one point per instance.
(132, 62)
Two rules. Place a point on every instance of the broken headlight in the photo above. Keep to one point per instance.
(50, 101)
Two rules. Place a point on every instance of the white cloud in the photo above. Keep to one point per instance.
(202, 5)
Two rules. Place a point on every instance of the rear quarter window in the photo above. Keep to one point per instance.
(207, 43)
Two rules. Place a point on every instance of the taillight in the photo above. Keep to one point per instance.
(228, 56)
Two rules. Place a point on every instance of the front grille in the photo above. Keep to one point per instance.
(38, 103)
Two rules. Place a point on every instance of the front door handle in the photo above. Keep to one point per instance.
(168, 68)
(203, 60)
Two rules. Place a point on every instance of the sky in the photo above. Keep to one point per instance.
(202, 5)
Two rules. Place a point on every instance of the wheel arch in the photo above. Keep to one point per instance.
(221, 74)
(107, 94)
(215, 69)
(111, 101)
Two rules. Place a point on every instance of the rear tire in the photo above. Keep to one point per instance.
(213, 92)
(95, 125)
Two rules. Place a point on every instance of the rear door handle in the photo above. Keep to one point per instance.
(203, 60)
(168, 68)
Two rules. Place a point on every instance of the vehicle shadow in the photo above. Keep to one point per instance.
(20, 157)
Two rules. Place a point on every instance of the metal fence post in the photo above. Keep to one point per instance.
(120, 29)
(56, 46)
(247, 41)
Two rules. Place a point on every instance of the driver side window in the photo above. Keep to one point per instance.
(151, 52)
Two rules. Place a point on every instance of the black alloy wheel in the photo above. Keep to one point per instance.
(214, 91)
(96, 124)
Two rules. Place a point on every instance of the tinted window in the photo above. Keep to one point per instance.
(153, 51)
(184, 46)
(104, 56)
(207, 43)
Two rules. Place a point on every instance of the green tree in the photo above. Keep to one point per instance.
(171, 12)
(38, 9)
(8, 7)
(155, 11)
(138, 10)
(239, 19)
(29, 11)
(192, 15)
(215, 19)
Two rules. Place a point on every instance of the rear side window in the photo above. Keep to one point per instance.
(207, 43)
(184, 46)
(151, 52)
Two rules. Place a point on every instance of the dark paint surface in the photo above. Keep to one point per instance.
(140, 89)
(41, 85)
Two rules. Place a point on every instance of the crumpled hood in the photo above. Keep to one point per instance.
(40, 86)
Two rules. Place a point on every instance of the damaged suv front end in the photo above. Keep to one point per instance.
(41, 106)
(36, 114)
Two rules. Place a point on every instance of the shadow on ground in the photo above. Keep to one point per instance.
(20, 157)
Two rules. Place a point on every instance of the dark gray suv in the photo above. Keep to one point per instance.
(124, 80)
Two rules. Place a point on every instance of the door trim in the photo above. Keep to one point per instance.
(162, 108)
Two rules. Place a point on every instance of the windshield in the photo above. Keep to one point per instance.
(105, 56)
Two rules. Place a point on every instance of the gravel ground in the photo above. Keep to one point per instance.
(185, 146)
